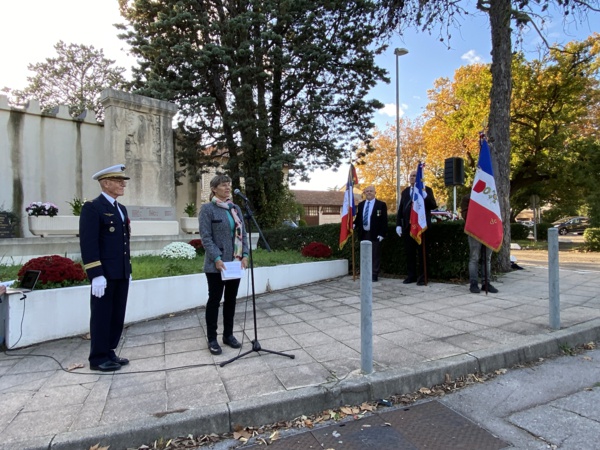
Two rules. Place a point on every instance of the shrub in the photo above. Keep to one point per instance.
(178, 250)
(56, 271)
(591, 237)
(42, 209)
(76, 204)
(519, 232)
(316, 250)
(197, 244)
(191, 209)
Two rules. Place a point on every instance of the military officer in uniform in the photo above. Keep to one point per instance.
(104, 239)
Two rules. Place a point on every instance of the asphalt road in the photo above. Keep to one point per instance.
(568, 259)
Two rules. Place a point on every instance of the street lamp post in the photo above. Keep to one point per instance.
(398, 52)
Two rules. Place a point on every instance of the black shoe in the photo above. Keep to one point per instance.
(120, 361)
(214, 347)
(108, 366)
(409, 280)
(421, 282)
(489, 288)
(474, 288)
(231, 341)
(375, 278)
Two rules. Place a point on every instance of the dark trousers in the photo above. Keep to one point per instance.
(414, 252)
(376, 249)
(216, 286)
(106, 321)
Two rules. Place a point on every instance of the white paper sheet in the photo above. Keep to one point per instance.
(233, 270)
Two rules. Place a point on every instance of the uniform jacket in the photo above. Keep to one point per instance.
(216, 235)
(104, 240)
(403, 216)
(379, 219)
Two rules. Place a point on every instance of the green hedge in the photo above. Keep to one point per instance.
(449, 247)
(519, 232)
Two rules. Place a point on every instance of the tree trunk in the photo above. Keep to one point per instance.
(499, 122)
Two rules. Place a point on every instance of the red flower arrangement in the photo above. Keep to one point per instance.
(56, 271)
(316, 250)
(197, 244)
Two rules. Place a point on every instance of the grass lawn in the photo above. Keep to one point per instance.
(153, 266)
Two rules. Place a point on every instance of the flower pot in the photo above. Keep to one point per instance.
(53, 226)
(189, 224)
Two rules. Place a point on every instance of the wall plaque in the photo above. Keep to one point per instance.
(7, 227)
(151, 212)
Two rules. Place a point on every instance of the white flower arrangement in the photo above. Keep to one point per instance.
(42, 209)
(178, 250)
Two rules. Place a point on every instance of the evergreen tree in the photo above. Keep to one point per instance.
(267, 84)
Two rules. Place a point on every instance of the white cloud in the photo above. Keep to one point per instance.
(390, 109)
(471, 57)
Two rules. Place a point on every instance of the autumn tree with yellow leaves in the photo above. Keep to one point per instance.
(377, 166)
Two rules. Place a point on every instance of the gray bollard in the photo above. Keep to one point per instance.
(553, 285)
(366, 307)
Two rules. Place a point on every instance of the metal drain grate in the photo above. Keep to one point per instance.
(430, 426)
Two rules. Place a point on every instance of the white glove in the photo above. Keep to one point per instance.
(380, 238)
(98, 286)
(424, 194)
(399, 231)
(130, 278)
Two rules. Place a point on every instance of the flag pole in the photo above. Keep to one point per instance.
(353, 257)
(485, 271)
(424, 259)
(353, 262)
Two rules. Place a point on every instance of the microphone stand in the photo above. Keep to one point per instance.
(255, 344)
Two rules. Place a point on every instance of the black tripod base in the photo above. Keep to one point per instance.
(255, 348)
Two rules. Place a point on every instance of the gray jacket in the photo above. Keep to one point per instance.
(216, 235)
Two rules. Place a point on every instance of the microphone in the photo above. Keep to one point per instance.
(238, 192)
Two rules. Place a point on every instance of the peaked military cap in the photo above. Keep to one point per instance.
(111, 172)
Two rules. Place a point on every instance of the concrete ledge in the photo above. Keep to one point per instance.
(403, 381)
(283, 405)
(534, 347)
(123, 435)
(21, 250)
(154, 228)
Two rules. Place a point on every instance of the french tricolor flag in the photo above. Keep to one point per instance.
(418, 217)
(348, 208)
(484, 221)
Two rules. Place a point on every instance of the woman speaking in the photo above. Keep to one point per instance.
(224, 239)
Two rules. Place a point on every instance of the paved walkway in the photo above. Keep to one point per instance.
(173, 385)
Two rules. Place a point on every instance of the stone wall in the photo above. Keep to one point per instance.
(52, 157)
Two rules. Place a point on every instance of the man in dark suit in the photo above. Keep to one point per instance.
(411, 247)
(104, 233)
(371, 225)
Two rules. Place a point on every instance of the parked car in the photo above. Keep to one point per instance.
(527, 223)
(563, 219)
(290, 223)
(573, 225)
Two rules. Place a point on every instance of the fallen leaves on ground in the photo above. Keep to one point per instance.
(97, 447)
(75, 366)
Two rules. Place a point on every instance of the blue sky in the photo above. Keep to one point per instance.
(30, 28)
